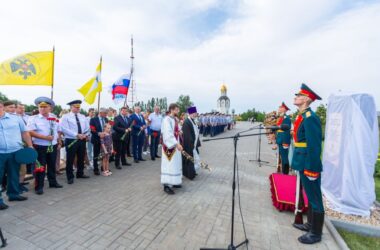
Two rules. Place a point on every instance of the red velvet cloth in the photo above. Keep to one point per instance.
(283, 189)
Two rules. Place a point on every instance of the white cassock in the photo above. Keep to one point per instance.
(196, 157)
(171, 160)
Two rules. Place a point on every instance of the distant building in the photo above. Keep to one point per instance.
(223, 103)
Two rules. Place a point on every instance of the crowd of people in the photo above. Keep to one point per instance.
(214, 123)
(91, 142)
(110, 137)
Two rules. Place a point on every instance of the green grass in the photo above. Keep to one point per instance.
(377, 180)
(359, 242)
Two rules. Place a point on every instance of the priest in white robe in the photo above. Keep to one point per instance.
(171, 161)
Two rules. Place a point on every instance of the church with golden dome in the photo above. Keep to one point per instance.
(223, 103)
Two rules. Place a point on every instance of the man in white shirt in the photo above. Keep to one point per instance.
(76, 130)
(155, 121)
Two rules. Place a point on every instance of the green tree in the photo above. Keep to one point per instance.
(184, 102)
(252, 113)
(321, 112)
(57, 110)
(3, 97)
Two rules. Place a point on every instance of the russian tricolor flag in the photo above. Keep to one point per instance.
(120, 88)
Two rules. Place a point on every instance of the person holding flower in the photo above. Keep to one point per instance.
(44, 129)
(122, 127)
(76, 131)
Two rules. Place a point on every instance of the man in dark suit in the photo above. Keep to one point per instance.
(120, 137)
(138, 134)
(97, 124)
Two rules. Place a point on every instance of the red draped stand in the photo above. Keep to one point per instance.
(283, 190)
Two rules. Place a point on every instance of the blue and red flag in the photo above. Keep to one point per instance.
(120, 88)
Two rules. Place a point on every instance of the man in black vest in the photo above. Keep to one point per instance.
(122, 127)
(97, 124)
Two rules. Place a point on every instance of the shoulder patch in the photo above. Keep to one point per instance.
(308, 114)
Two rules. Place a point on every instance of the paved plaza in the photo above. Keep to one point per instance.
(129, 209)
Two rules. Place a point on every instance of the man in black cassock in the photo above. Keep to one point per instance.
(190, 144)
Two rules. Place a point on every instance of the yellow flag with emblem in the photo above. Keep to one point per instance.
(93, 86)
(34, 68)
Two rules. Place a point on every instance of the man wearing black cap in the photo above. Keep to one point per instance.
(76, 129)
(44, 131)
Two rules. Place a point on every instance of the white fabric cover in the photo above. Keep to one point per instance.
(350, 153)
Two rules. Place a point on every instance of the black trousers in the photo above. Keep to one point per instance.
(96, 152)
(49, 160)
(78, 149)
(154, 141)
(129, 146)
(121, 150)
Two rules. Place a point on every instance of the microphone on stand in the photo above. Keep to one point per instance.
(281, 127)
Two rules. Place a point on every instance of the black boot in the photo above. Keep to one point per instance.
(315, 234)
(285, 169)
(306, 226)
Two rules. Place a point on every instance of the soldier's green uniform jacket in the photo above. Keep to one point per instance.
(307, 144)
(283, 137)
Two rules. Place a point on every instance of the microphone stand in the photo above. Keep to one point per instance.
(236, 137)
(258, 160)
(250, 129)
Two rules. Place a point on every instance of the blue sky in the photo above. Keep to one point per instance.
(262, 49)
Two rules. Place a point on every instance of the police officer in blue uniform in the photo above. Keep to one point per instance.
(307, 160)
(283, 138)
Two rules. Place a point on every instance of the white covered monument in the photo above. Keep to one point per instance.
(350, 153)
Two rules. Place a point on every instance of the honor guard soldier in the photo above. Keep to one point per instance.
(44, 130)
(307, 160)
(75, 129)
(283, 138)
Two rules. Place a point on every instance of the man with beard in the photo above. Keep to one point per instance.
(171, 161)
(190, 144)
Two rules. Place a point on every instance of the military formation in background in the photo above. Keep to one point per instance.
(214, 123)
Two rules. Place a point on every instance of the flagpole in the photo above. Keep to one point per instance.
(131, 75)
(52, 83)
(100, 76)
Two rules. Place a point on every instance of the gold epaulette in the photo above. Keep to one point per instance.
(308, 114)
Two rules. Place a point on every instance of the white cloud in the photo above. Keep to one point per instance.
(263, 51)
